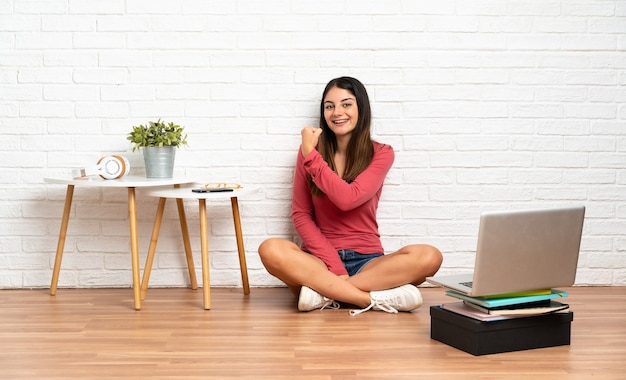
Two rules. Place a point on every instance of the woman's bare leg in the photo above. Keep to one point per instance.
(409, 265)
(286, 261)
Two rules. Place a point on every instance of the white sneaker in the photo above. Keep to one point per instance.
(402, 298)
(312, 300)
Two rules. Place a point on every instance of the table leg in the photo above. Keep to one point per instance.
(69, 194)
(134, 246)
(240, 248)
(188, 252)
(153, 244)
(204, 247)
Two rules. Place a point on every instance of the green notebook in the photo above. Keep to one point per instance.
(496, 302)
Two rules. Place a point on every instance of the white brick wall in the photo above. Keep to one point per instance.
(489, 104)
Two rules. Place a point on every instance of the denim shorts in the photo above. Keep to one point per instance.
(354, 261)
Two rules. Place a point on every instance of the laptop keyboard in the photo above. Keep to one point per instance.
(468, 284)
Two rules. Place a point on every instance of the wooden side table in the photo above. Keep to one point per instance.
(185, 193)
(129, 182)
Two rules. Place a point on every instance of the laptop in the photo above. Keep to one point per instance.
(520, 251)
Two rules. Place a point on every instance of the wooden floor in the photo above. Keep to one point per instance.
(96, 334)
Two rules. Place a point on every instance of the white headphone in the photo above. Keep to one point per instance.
(113, 167)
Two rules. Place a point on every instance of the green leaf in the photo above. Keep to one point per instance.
(157, 133)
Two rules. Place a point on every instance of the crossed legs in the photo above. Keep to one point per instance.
(409, 265)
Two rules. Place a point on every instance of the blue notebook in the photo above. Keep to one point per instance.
(497, 302)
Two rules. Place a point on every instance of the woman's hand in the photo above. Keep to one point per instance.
(310, 138)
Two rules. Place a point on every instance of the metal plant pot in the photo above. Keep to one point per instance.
(159, 161)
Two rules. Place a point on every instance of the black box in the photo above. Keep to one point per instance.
(481, 338)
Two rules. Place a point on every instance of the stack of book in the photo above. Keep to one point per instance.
(507, 306)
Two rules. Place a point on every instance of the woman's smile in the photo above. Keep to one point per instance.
(340, 111)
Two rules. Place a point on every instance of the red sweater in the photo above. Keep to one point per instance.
(344, 217)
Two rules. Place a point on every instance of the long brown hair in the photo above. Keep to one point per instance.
(360, 150)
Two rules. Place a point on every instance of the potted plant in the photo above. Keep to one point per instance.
(159, 141)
